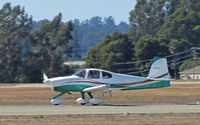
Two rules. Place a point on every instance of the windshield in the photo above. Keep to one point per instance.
(80, 73)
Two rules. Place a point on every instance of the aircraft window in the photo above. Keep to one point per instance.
(94, 74)
(106, 75)
(80, 73)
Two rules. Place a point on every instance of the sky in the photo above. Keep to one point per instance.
(75, 9)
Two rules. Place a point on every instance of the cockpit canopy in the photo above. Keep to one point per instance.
(93, 74)
(80, 73)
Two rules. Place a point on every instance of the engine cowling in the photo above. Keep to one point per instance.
(56, 101)
(96, 101)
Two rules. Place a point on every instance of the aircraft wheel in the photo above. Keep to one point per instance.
(82, 101)
(95, 101)
(95, 104)
(56, 101)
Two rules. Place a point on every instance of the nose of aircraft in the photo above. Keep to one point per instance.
(47, 82)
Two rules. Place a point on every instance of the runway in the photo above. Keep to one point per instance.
(91, 110)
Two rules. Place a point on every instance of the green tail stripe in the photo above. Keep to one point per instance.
(157, 58)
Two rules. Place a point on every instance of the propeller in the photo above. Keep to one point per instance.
(45, 76)
(46, 80)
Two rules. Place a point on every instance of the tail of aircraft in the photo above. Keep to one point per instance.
(159, 69)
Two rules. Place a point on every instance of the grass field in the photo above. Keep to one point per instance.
(118, 119)
(176, 94)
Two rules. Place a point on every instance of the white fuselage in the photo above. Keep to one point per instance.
(118, 79)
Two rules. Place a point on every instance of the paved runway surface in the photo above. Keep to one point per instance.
(105, 109)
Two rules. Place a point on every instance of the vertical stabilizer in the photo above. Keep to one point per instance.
(159, 68)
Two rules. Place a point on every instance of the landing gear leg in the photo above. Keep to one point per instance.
(82, 100)
(82, 95)
(90, 95)
(57, 101)
(58, 95)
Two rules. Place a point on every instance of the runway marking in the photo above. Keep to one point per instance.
(108, 109)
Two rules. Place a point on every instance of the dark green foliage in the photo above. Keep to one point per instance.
(183, 24)
(26, 53)
(189, 64)
(50, 48)
(115, 48)
(14, 28)
(146, 48)
(158, 27)
(90, 32)
(148, 16)
(149, 47)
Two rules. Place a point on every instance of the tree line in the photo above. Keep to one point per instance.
(89, 32)
(30, 48)
(158, 28)
(26, 54)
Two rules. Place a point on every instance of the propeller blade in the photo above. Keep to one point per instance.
(45, 76)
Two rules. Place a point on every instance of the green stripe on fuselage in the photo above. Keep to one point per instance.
(80, 87)
(159, 84)
(74, 88)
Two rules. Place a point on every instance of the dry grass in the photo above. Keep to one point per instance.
(176, 94)
(136, 119)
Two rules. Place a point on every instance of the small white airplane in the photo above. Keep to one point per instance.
(101, 81)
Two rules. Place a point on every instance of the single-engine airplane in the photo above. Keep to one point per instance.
(101, 81)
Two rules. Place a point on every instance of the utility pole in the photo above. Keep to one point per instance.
(173, 65)
(194, 59)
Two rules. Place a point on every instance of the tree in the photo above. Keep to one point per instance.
(148, 16)
(51, 47)
(148, 47)
(183, 24)
(92, 31)
(15, 26)
(114, 49)
(188, 65)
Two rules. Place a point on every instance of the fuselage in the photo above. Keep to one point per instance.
(94, 77)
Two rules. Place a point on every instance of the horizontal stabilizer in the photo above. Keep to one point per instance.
(160, 79)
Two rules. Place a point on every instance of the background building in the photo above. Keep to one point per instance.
(193, 73)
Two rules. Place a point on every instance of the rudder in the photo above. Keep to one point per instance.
(159, 68)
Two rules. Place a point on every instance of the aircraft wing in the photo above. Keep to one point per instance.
(96, 88)
(102, 88)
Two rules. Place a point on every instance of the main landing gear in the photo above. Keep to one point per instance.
(82, 100)
(93, 101)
